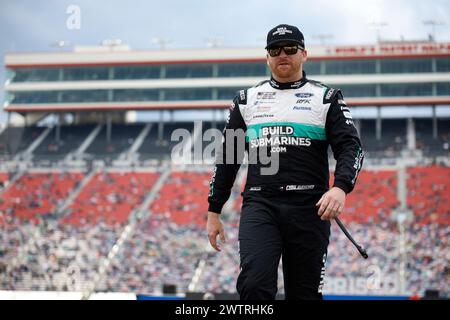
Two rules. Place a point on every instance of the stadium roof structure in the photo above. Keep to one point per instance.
(108, 78)
(92, 56)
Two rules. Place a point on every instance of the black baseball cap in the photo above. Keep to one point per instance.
(285, 33)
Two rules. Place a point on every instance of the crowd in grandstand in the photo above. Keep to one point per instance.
(160, 252)
(166, 247)
(53, 255)
(38, 193)
(428, 258)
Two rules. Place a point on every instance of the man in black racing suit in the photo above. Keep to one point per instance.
(285, 213)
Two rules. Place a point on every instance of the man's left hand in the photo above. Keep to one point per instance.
(331, 204)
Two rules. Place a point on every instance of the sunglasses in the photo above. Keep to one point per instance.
(289, 50)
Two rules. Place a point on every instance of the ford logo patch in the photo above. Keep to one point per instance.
(304, 95)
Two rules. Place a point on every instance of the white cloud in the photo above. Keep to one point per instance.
(349, 20)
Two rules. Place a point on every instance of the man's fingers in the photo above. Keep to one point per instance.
(323, 206)
(332, 210)
(320, 201)
(339, 211)
(213, 240)
(322, 209)
(222, 236)
(326, 212)
(331, 204)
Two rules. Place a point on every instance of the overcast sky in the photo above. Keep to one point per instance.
(30, 25)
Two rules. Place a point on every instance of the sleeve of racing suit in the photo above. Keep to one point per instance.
(345, 143)
(225, 170)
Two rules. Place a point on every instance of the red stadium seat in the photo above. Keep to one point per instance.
(375, 194)
(429, 194)
(37, 194)
(183, 197)
(111, 196)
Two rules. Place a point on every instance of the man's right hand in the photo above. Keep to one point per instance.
(214, 227)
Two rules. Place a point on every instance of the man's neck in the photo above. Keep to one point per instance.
(293, 78)
(297, 82)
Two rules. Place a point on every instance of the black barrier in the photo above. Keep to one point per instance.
(211, 296)
(169, 288)
(432, 294)
(219, 296)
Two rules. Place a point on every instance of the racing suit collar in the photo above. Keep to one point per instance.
(288, 85)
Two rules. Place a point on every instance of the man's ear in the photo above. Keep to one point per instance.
(305, 55)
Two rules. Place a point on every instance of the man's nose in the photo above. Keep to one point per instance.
(282, 53)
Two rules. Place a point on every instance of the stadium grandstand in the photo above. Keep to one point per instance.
(94, 200)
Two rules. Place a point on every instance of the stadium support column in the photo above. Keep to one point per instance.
(411, 134)
(378, 124)
(108, 127)
(215, 96)
(402, 216)
(402, 254)
(160, 128)
(58, 128)
(435, 126)
(8, 125)
(401, 185)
